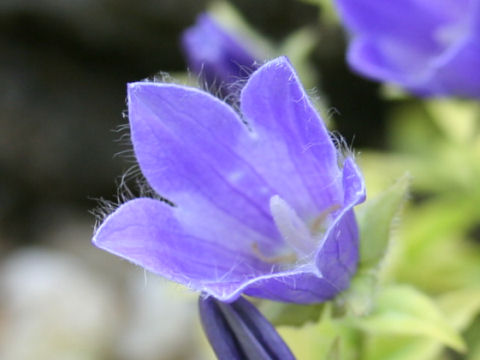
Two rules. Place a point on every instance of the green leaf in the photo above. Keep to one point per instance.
(403, 310)
(436, 230)
(388, 347)
(472, 335)
(461, 306)
(375, 219)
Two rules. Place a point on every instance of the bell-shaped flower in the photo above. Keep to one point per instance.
(220, 58)
(262, 201)
(428, 47)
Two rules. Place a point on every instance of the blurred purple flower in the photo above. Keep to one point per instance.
(262, 206)
(214, 54)
(428, 47)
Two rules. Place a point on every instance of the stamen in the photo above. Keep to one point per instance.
(294, 231)
(318, 225)
(287, 258)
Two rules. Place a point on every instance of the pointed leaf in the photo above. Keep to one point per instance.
(461, 306)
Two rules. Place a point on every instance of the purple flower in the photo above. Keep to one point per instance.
(428, 47)
(263, 202)
(216, 55)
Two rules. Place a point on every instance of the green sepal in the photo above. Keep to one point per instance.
(375, 219)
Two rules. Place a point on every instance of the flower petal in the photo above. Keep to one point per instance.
(335, 261)
(338, 256)
(186, 142)
(426, 48)
(389, 61)
(411, 21)
(458, 75)
(294, 151)
(457, 69)
(301, 287)
(194, 150)
(153, 234)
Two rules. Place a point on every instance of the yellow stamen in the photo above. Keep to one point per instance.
(319, 222)
(279, 259)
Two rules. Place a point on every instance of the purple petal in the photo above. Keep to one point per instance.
(456, 69)
(215, 54)
(155, 236)
(335, 261)
(294, 151)
(152, 234)
(304, 286)
(429, 48)
(338, 256)
(389, 61)
(187, 144)
(194, 150)
(402, 20)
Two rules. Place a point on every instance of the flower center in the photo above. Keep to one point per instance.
(301, 240)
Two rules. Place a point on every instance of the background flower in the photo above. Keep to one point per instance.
(429, 48)
(218, 57)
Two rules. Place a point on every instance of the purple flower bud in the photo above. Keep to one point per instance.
(216, 55)
(263, 202)
(427, 47)
(239, 331)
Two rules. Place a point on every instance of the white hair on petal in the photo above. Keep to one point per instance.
(129, 185)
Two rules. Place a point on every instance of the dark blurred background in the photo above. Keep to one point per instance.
(64, 66)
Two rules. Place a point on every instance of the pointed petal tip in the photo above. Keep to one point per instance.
(282, 60)
(357, 184)
(133, 88)
(279, 62)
